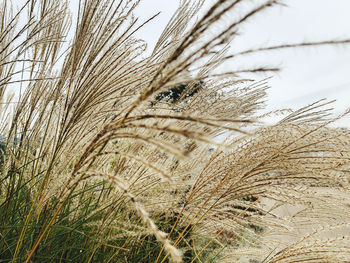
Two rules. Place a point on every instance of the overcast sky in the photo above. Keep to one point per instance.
(308, 74)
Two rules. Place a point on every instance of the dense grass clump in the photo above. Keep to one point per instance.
(110, 155)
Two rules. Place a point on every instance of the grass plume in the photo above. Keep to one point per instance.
(102, 162)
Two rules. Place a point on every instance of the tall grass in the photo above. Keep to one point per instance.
(102, 162)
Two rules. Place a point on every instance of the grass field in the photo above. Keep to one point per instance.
(109, 155)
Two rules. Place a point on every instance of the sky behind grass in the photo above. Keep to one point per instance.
(307, 74)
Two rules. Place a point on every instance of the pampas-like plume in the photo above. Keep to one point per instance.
(110, 155)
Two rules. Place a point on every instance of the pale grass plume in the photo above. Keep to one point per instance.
(109, 154)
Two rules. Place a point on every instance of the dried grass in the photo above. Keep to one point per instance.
(93, 160)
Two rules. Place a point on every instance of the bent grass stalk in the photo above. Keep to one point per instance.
(94, 157)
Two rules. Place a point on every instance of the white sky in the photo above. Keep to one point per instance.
(307, 74)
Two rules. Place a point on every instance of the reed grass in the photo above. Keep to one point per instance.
(109, 155)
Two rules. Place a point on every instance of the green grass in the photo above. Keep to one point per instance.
(110, 155)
